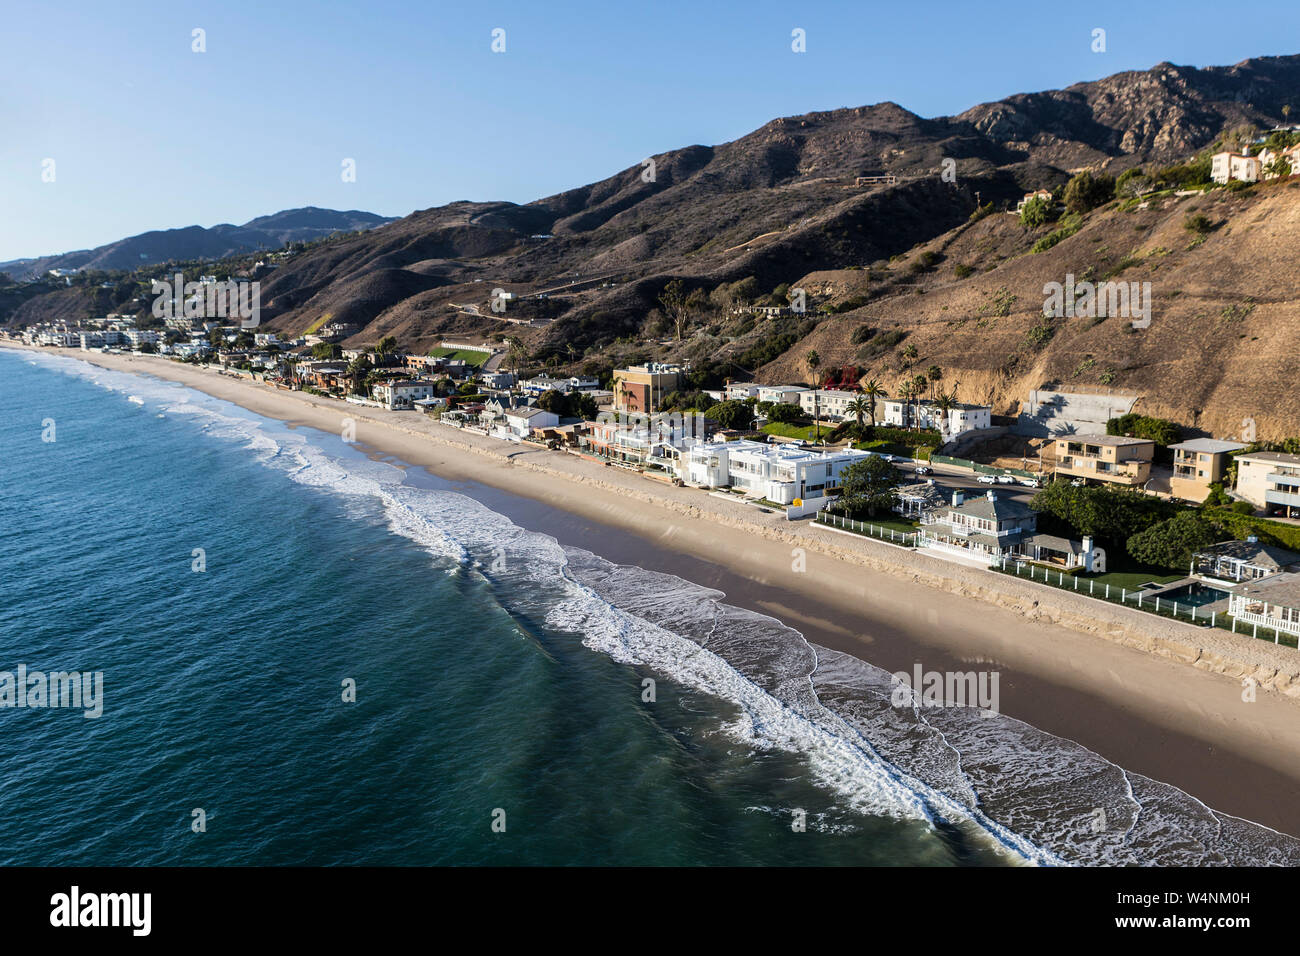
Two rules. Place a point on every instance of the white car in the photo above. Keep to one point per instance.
(1006, 479)
(987, 480)
(1029, 482)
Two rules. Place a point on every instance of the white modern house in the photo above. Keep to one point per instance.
(786, 394)
(781, 473)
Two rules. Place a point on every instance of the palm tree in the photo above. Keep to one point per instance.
(933, 374)
(813, 360)
(919, 384)
(907, 391)
(873, 390)
(858, 407)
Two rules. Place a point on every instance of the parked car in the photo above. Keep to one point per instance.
(924, 470)
(1029, 482)
(887, 457)
(1006, 479)
(1078, 483)
(987, 480)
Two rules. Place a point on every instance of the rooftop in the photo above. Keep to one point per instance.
(1252, 552)
(1106, 439)
(1281, 589)
(1208, 446)
(993, 508)
(1276, 457)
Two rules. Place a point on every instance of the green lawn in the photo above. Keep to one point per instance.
(1132, 580)
(469, 356)
(792, 431)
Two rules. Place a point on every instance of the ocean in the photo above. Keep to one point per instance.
(315, 656)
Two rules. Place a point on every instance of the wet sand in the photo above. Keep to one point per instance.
(1150, 714)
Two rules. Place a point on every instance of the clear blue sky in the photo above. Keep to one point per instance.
(147, 134)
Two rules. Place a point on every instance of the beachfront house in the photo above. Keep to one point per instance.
(780, 473)
(986, 527)
(1271, 602)
(1232, 562)
(1270, 481)
(403, 393)
(1198, 464)
(520, 422)
(1065, 553)
(1108, 458)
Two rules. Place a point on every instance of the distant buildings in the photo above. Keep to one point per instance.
(1228, 165)
(923, 413)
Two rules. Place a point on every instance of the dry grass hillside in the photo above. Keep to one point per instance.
(1224, 322)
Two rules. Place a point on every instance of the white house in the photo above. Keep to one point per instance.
(787, 394)
(521, 421)
(1228, 165)
(923, 413)
(402, 393)
(739, 391)
(828, 403)
(780, 473)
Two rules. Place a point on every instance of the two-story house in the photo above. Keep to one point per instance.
(1270, 480)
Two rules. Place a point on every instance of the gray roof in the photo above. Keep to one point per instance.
(526, 412)
(1281, 589)
(1052, 543)
(999, 509)
(1275, 456)
(932, 494)
(1252, 552)
(1208, 446)
(1105, 439)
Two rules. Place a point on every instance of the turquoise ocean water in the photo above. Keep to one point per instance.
(500, 677)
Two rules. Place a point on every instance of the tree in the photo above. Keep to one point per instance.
(1085, 192)
(873, 390)
(1278, 166)
(932, 375)
(858, 407)
(867, 487)
(731, 414)
(785, 413)
(1036, 212)
(1171, 543)
(326, 351)
(813, 361)
(675, 302)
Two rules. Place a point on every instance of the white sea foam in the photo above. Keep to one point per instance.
(1033, 795)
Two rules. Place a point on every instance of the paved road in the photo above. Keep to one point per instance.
(947, 476)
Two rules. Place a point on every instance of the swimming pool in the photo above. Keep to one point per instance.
(1195, 595)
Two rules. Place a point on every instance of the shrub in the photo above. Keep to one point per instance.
(1197, 223)
(961, 271)
(1085, 192)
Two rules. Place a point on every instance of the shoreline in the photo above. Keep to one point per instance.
(1110, 678)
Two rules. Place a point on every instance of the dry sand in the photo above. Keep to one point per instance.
(1157, 697)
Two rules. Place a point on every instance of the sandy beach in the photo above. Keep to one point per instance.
(1155, 696)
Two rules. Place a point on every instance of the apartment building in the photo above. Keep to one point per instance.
(923, 413)
(828, 403)
(640, 388)
(785, 394)
(1198, 464)
(1270, 480)
(1110, 458)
